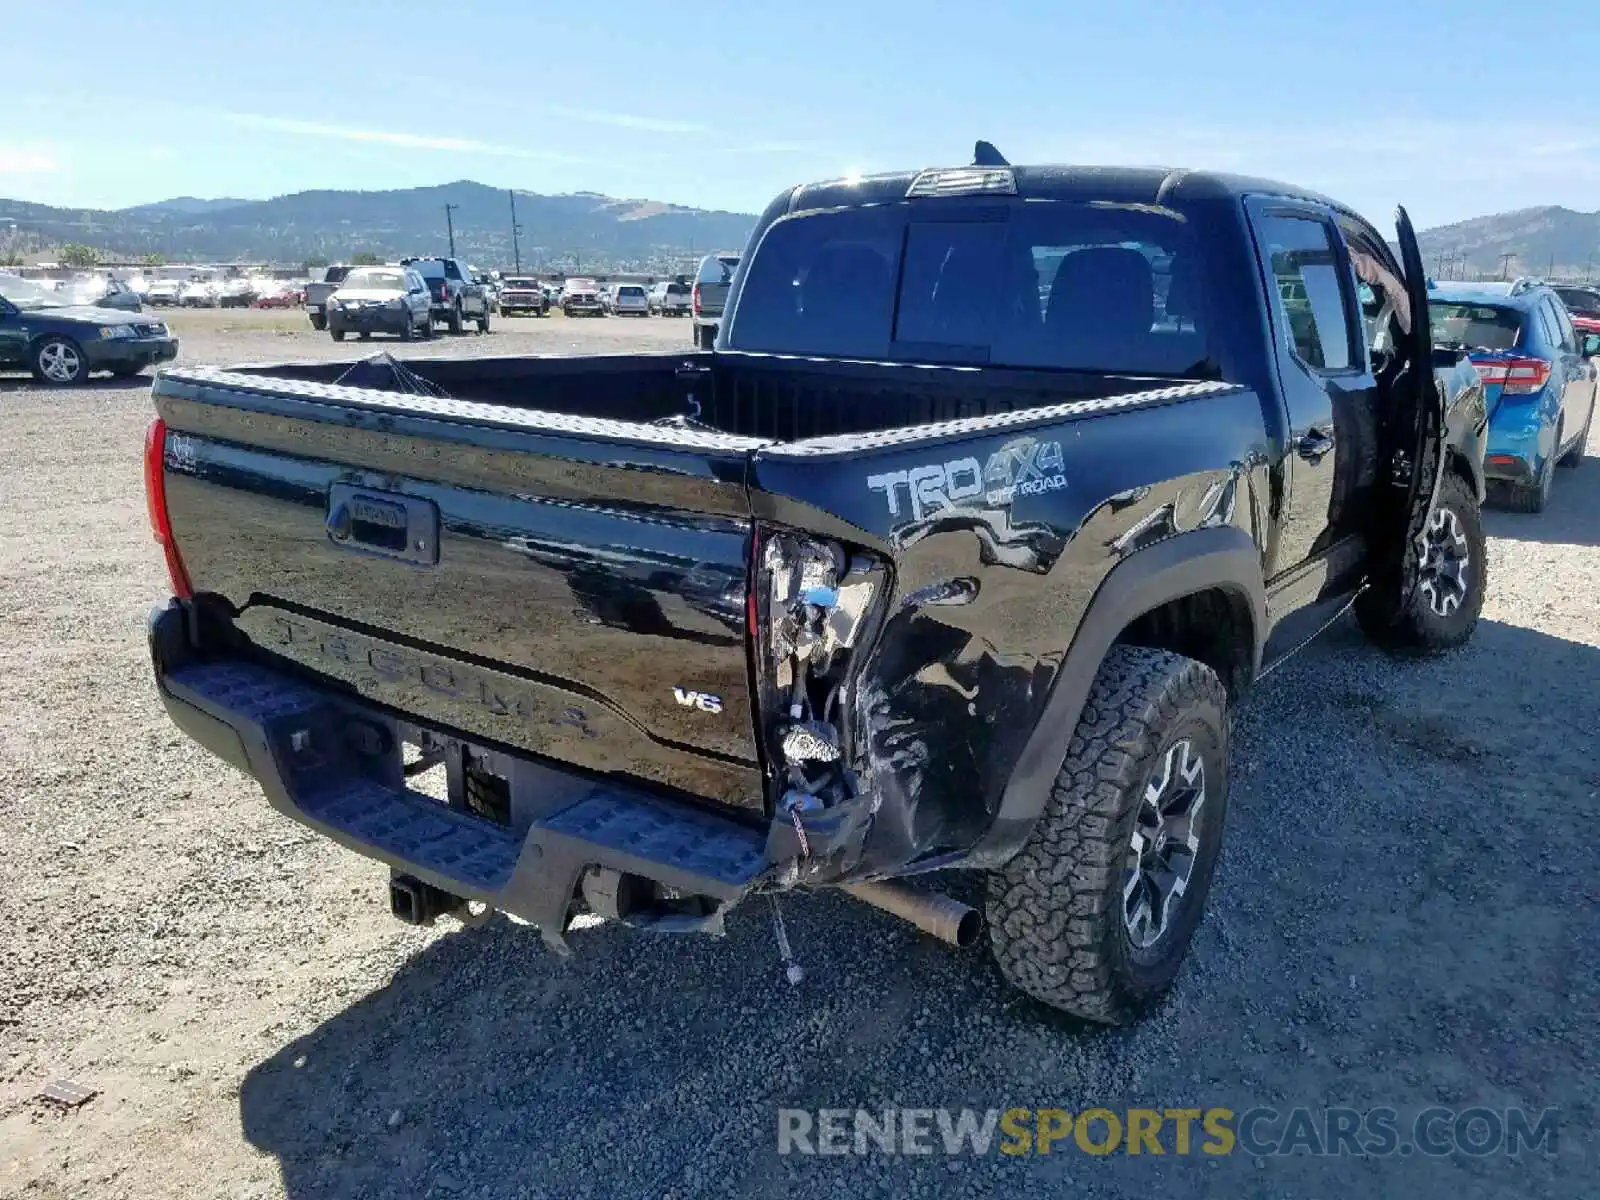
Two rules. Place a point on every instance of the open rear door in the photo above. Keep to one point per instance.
(1415, 439)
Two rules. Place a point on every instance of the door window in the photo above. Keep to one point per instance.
(1312, 301)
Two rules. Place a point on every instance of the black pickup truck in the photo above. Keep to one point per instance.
(1000, 486)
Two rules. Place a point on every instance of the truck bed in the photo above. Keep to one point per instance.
(771, 397)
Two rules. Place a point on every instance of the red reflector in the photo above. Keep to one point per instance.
(1501, 460)
(155, 498)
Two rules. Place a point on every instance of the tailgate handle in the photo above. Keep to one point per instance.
(383, 523)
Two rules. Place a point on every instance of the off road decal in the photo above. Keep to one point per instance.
(1022, 467)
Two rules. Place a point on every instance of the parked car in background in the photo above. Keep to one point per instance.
(581, 298)
(61, 343)
(708, 295)
(200, 293)
(276, 294)
(381, 300)
(1539, 386)
(323, 285)
(629, 300)
(163, 293)
(456, 298)
(522, 294)
(102, 291)
(1581, 300)
(491, 289)
(670, 299)
(235, 293)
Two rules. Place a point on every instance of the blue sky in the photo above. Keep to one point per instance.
(1455, 109)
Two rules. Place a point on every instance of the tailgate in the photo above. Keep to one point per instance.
(567, 586)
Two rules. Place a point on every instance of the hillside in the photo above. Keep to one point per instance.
(1547, 240)
(557, 231)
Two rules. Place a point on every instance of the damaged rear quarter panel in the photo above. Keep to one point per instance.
(998, 533)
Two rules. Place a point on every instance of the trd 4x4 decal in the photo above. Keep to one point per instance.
(1023, 467)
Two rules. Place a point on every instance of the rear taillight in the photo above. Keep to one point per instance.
(155, 497)
(1516, 376)
(809, 604)
(694, 299)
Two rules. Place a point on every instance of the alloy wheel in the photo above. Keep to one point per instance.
(1446, 564)
(1165, 844)
(60, 362)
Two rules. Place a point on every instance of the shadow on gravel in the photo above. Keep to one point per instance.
(1572, 517)
(1398, 920)
(95, 383)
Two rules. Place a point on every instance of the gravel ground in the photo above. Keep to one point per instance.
(1403, 917)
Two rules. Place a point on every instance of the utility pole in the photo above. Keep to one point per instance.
(1505, 265)
(516, 247)
(451, 226)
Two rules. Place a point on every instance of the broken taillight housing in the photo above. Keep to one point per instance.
(155, 495)
(810, 603)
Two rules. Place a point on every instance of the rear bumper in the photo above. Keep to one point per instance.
(333, 763)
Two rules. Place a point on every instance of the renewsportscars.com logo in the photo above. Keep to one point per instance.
(1260, 1132)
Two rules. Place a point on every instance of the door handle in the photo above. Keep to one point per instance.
(1314, 444)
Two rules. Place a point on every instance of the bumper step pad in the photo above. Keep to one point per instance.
(291, 738)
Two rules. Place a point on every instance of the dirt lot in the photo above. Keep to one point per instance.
(1405, 915)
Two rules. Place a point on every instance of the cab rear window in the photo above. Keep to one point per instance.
(1092, 287)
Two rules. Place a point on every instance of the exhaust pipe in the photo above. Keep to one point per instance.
(951, 921)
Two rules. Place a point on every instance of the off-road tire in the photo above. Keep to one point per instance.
(454, 319)
(1420, 630)
(1055, 910)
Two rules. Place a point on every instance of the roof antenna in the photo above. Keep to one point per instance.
(985, 155)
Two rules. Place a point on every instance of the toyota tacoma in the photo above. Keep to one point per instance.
(999, 487)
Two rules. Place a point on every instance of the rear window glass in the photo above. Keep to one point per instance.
(718, 269)
(1580, 300)
(1474, 326)
(677, 289)
(429, 268)
(1092, 287)
(630, 289)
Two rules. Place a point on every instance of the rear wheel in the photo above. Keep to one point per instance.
(1094, 915)
(1575, 456)
(455, 320)
(483, 321)
(338, 334)
(1532, 498)
(319, 321)
(1451, 581)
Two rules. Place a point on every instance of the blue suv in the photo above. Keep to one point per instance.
(1538, 383)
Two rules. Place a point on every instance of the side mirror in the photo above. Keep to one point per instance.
(1591, 344)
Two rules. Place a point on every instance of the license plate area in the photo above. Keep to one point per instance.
(506, 790)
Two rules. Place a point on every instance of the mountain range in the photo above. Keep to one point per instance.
(1551, 241)
(559, 232)
(600, 232)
